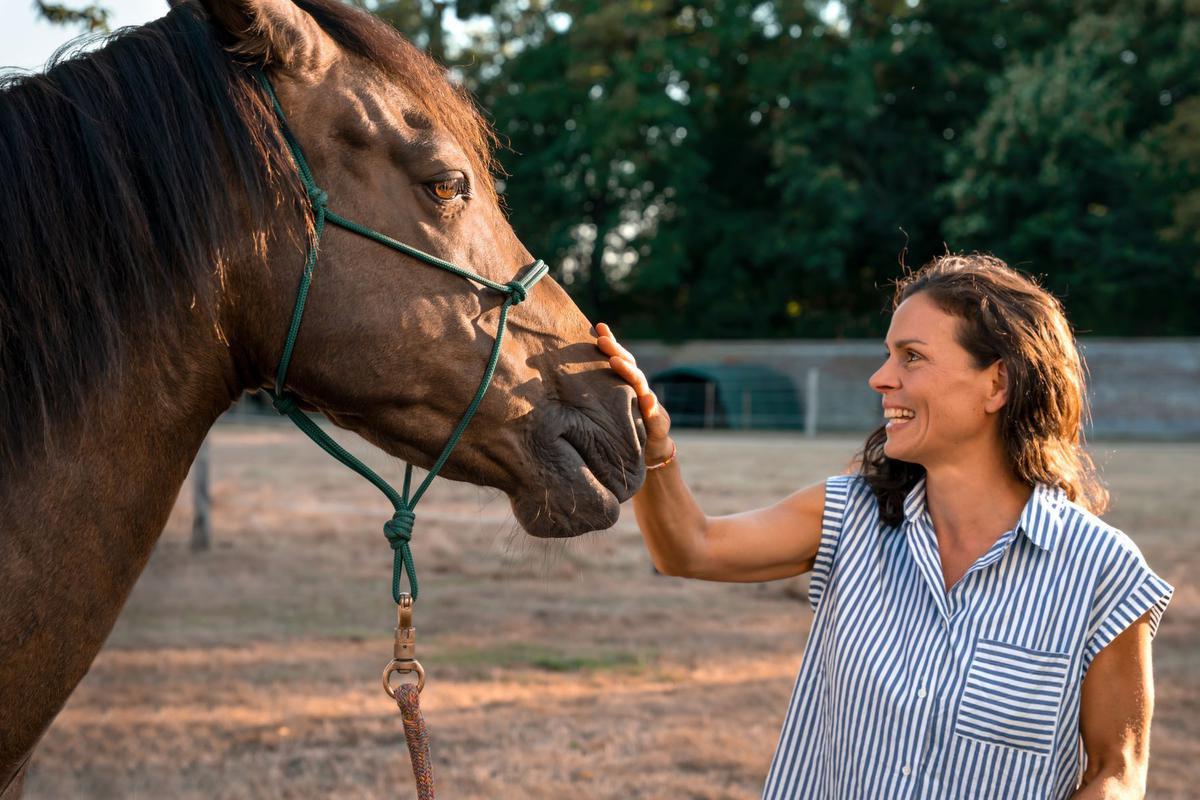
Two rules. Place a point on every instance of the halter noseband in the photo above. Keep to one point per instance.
(398, 529)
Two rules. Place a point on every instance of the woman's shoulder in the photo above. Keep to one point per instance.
(1105, 562)
(1086, 534)
(848, 482)
(850, 502)
(850, 488)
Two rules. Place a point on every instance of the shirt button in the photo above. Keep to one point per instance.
(906, 770)
(920, 692)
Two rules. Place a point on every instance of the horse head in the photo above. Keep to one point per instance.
(390, 347)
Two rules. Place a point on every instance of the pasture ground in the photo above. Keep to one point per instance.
(557, 669)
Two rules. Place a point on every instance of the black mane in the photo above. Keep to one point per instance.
(115, 191)
(129, 176)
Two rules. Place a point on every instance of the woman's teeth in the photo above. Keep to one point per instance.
(898, 413)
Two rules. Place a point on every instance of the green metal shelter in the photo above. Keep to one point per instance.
(738, 396)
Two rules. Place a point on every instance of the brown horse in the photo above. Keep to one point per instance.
(154, 235)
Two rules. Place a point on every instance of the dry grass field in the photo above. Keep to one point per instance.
(556, 669)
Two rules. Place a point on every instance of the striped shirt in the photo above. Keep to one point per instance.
(908, 690)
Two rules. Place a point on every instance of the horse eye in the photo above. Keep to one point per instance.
(448, 189)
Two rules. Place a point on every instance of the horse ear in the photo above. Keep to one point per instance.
(271, 32)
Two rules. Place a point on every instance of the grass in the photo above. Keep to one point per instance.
(537, 655)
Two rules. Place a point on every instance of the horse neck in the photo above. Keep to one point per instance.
(79, 522)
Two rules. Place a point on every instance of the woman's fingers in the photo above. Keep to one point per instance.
(609, 345)
(648, 404)
(658, 423)
(634, 376)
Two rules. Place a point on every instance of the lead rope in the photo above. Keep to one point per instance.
(408, 697)
(415, 733)
(398, 530)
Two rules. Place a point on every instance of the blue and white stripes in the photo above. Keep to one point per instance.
(911, 691)
(1012, 696)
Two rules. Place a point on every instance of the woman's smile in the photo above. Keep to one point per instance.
(898, 417)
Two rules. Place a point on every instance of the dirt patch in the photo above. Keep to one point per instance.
(557, 669)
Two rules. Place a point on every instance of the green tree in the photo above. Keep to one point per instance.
(424, 20)
(1081, 168)
(757, 169)
(1176, 145)
(93, 18)
(632, 159)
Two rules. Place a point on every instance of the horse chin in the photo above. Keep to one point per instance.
(573, 502)
(541, 518)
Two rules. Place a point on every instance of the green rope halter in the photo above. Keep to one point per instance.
(398, 529)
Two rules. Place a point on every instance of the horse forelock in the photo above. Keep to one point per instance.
(131, 175)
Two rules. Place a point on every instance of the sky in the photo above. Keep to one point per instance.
(26, 40)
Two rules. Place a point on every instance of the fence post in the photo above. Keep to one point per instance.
(812, 384)
(710, 405)
(201, 519)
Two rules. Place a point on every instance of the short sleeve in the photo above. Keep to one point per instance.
(837, 493)
(1127, 589)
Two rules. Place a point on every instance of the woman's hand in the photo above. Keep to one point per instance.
(658, 422)
(774, 542)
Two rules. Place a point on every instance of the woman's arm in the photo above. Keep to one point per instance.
(1114, 717)
(774, 542)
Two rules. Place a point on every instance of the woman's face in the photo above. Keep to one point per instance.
(938, 405)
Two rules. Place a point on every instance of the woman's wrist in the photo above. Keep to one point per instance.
(659, 454)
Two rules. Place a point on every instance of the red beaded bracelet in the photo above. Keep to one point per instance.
(670, 458)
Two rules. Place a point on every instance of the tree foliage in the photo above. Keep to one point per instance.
(759, 169)
(92, 18)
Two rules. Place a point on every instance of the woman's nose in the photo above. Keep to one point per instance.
(884, 379)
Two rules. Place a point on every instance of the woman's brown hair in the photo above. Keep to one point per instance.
(1004, 316)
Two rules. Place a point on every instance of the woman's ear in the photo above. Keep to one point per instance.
(271, 32)
(997, 377)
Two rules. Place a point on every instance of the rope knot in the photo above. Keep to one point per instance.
(399, 528)
(517, 291)
(284, 403)
(318, 197)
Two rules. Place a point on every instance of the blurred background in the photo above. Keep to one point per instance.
(743, 169)
(732, 186)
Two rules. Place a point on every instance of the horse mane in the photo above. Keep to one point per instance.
(131, 175)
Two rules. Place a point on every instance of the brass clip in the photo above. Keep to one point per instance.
(404, 652)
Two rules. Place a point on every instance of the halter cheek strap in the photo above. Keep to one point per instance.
(398, 529)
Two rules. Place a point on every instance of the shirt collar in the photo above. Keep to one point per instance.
(1040, 521)
(914, 503)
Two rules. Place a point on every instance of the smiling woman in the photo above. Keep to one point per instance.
(977, 627)
(993, 325)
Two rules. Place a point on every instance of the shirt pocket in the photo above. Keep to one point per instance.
(1012, 696)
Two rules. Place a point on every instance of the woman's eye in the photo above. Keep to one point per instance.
(448, 189)
(910, 356)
